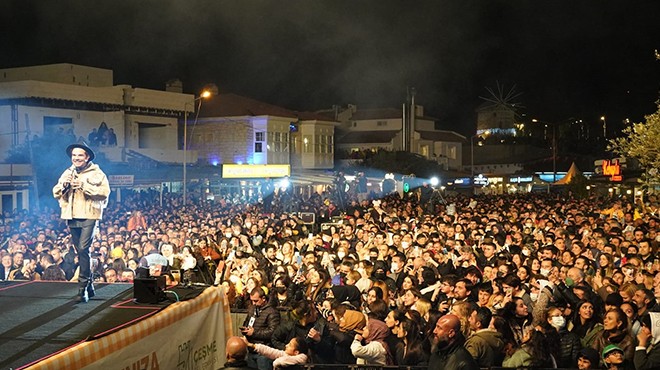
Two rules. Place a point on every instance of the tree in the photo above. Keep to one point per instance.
(640, 142)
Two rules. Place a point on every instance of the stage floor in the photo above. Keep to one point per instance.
(38, 319)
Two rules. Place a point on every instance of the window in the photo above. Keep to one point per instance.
(258, 147)
(259, 136)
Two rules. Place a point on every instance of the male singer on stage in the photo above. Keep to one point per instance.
(82, 192)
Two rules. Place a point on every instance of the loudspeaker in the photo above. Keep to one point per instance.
(149, 290)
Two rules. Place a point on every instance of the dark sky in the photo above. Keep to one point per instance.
(574, 58)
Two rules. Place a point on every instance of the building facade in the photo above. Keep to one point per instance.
(68, 102)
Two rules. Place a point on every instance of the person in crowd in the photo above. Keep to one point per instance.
(448, 351)
(585, 324)
(304, 321)
(532, 352)
(370, 348)
(259, 326)
(295, 353)
(410, 352)
(517, 314)
(615, 331)
(485, 344)
(236, 350)
(647, 351)
(588, 358)
(613, 358)
(562, 344)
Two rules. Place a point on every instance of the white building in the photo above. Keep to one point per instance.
(374, 129)
(233, 129)
(67, 101)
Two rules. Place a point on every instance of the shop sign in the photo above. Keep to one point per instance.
(250, 171)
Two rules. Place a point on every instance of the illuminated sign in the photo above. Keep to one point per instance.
(612, 169)
(244, 171)
(121, 180)
(481, 180)
(520, 180)
(462, 181)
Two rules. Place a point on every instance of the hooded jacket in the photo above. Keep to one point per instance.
(649, 358)
(486, 347)
(85, 203)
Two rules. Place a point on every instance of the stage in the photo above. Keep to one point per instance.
(42, 326)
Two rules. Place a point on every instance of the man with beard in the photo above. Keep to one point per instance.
(448, 351)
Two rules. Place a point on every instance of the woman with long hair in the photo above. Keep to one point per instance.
(410, 352)
(532, 352)
(279, 296)
(317, 287)
(585, 323)
(615, 331)
(562, 344)
(518, 317)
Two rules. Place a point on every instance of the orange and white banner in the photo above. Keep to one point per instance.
(187, 335)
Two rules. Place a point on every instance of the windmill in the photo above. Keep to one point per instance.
(500, 110)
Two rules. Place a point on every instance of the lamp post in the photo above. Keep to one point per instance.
(554, 147)
(602, 118)
(204, 95)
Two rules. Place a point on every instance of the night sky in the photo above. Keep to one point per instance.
(579, 59)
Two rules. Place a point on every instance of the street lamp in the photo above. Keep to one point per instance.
(602, 118)
(205, 94)
(554, 147)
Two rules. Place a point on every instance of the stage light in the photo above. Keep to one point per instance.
(434, 181)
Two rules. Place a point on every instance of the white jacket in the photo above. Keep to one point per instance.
(280, 357)
(373, 353)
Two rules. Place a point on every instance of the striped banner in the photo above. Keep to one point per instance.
(185, 335)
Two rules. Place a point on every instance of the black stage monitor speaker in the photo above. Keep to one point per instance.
(149, 290)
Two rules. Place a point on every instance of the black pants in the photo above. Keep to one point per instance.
(82, 232)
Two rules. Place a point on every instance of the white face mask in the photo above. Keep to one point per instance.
(525, 252)
(545, 272)
(558, 322)
(534, 296)
(405, 245)
(362, 272)
(341, 255)
(228, 235)
(394, 267)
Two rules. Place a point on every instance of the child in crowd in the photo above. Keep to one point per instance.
(295, 352)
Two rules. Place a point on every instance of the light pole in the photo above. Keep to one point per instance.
(204, 95)
(602, 118)
(554, 147)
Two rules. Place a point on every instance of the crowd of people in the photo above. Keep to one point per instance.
(537, 280)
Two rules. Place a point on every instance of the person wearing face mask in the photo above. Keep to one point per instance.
(280, 295)
(564, 345)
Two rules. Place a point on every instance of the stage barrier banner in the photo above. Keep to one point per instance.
(187, 335)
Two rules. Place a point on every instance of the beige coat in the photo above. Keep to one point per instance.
(88, 202)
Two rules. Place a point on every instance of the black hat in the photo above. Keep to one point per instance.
(82, 146)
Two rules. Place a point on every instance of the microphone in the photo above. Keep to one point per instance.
(67, 186)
